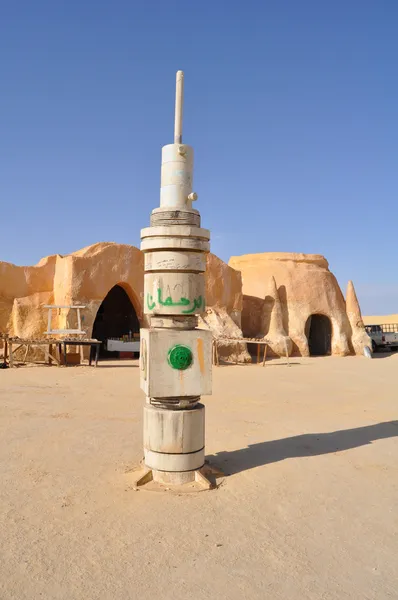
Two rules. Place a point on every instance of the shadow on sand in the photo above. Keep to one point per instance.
(310, 444)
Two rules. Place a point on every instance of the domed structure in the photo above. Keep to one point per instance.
(292, 300)
(108, 279)
(309, 299)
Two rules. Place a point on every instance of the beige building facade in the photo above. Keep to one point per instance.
(292, 300)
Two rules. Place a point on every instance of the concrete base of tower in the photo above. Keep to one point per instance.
(174, 463)
(174, 439)
(198, 480)
(175, 478)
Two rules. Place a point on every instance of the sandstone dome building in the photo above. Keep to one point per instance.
(292, 300)
(295, 295)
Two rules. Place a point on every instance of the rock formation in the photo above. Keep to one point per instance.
(223, 326)
(359, 337)
(224, 308)
(271, 322)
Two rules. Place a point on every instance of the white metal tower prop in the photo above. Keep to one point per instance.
(175, 360)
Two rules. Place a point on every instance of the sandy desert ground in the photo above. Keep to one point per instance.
(308, 510)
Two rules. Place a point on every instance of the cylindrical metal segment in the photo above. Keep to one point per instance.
(176, 175)
(174, 462)
(166, 217)
(175, 322)
(185, 231)
(170, 243)
(175, 261)
(174, 293)
(172, 153)
(179, 107)
(164, 209)
(179, 403)
(174, 431)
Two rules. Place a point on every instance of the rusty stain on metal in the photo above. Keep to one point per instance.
(201, 356)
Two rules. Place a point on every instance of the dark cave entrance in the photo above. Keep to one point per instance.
(116, 317)
(318, 330)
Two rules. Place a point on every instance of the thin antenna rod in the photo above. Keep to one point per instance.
(179, 107)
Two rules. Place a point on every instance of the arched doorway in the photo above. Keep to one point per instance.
(318, 330)
(115, 318)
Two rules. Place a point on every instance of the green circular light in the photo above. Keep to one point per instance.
(180, 357)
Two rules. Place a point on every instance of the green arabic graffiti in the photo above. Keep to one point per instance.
(197, 302)
(151, 305)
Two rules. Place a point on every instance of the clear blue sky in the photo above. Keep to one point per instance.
(291, 107)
